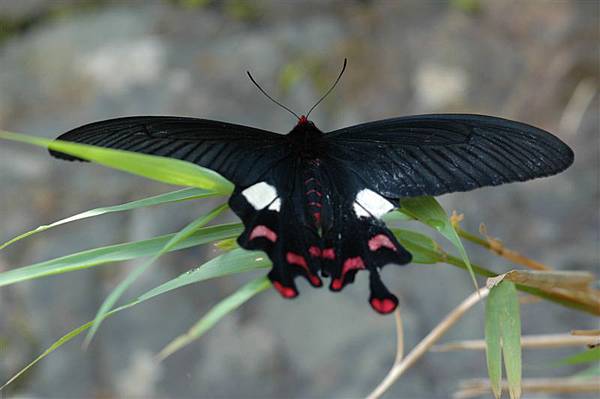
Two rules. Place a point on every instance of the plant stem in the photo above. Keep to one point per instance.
(399, 336)
(480, 387)
(527, 341)
(498, 248)
(421, 348)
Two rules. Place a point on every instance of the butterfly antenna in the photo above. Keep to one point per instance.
(330, 89)
(271, 98)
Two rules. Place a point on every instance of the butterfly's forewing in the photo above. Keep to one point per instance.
(241, 154)
(437, 154)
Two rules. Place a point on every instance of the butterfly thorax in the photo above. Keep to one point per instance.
(307, 141)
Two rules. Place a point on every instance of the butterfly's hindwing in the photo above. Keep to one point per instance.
(323, 224)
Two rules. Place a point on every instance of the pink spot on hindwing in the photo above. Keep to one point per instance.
(298, 260)
(314, 251)
(384, 306)
(286, 292)
(336, 284)
(355, 263)
(381, 240)
(328, 253)
(263, 231)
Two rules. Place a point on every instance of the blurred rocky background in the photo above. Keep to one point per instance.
(65, 63)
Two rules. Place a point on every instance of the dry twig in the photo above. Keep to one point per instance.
(481, 386)
(422, 347)
(527, 341)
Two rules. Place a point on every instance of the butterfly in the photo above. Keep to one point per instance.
(313, 200)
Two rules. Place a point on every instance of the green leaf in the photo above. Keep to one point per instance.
(116, 293)
(166, 170)
(236, 261)
(422, 248)
(396, 216)
(503, 334)
(588, 356)
(430, 212)
(493, 346)
(227, 245)
(229, 265)
(174, 196)
(218, 311)
(116, 253)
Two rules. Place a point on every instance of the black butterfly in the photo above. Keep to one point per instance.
(313, 200)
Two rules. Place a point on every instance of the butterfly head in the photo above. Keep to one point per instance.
(303, 120)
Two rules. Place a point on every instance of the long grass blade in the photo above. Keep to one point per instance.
(166, 170)
(112, 298)
(185, 194)
(236, 261)
(117, 253)
(218, 311)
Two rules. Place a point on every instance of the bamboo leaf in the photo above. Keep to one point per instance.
(511, 340)
(429, 211)
(166, 170)
(218, 311)
(116, 253)
(503, 333)
(236, 261)
(116, 293)
(493, 346)
(174, 196)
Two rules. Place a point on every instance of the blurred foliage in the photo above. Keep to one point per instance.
(12, 25)
(467, 6)
(241, 10)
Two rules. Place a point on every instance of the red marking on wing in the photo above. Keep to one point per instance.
(302, 120)
(381, 240)
(263, 231)
(383, 306)
(355, 263)
(336, 284)
(352, 264)
(286, 292)
(314, 251)
(298, 260)
(314, 280)
(310, 179)
(328, 253)
(318, 205)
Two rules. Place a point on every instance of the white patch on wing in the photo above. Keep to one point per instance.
(369, 203)
(275, 205)
(260, 195)
(360, 211)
